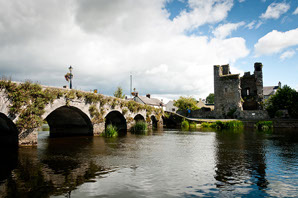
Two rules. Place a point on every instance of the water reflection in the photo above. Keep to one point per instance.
(160, 164)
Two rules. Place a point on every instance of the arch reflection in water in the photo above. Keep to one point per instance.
(69, 121)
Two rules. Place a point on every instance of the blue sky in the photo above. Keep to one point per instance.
(169, 46)
(249, 11)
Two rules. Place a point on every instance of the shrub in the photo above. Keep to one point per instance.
(264, 125)
(193, 125)
(206, 125)
(184, 124)
(140, 127)
(223, 125)
(110, 132)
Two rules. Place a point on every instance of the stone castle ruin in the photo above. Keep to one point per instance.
(238, 97)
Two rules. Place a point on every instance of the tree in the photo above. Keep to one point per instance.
(119, 93)
(284, 98)
(210, 98)
(185, 103)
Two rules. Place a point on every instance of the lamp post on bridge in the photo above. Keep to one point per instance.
(70, 77)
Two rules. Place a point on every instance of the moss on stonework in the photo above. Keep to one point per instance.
(28, 102)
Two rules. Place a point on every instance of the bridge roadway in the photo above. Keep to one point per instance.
(23, 106)
(177, 118)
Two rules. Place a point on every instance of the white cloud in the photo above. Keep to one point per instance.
(275, 10)
(287, 54)
(251, 25)
(222, 31)
(276, 41)
(296, 11)
(106, 40)
(202, 12)
(258, 24)
(241, 1)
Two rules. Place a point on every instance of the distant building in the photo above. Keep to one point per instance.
(270, 90)
(148, 100)
(202, 105)
(170, 106)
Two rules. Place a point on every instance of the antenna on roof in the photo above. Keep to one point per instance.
(130, 84)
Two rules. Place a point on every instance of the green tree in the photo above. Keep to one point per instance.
(210, 98)
(119, 93)
(185, 103)
(284, 98)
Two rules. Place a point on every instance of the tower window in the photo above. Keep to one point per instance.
(247, 91)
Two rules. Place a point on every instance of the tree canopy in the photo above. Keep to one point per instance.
(284, 98)
(185, 103)
(119, 93)
(210, 98)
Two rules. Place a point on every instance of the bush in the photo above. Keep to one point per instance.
(223, 125)
(184, 124)
(140, 127)
(193, 125)
(110, 132)
(264, 125)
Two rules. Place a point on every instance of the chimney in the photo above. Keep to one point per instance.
(148, 95)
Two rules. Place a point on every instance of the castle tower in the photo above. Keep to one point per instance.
(259, 82)
(227, 95)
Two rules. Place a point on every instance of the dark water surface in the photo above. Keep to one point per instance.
(168, 163)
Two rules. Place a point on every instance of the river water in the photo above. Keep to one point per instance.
(167, 163)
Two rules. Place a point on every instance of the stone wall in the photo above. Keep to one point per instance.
(200, 113)
(235, 94)
(252, 88)
(227, 91)
(252, 115)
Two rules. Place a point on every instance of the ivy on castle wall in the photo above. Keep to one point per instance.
(28, 101)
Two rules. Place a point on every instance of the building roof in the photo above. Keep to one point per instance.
(151, 101)
(269, 90)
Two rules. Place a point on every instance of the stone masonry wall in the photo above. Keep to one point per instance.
(227, 91)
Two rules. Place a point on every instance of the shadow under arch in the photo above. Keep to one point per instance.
(139, 118)
(8, 132)
(154, 121)
(69, 121)
(116, 119)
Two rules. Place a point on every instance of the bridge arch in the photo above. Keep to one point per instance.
(116, 119)
(154, 121)
(8, 132)
(139, 117)
(69, 121)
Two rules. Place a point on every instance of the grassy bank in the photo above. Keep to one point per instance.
(223, 125)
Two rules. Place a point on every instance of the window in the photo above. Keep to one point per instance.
(247, 91)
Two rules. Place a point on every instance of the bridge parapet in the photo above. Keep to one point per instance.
(28, 105)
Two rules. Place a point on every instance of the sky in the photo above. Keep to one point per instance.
(168, 46)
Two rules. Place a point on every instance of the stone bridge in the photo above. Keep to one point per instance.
(24, 107)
